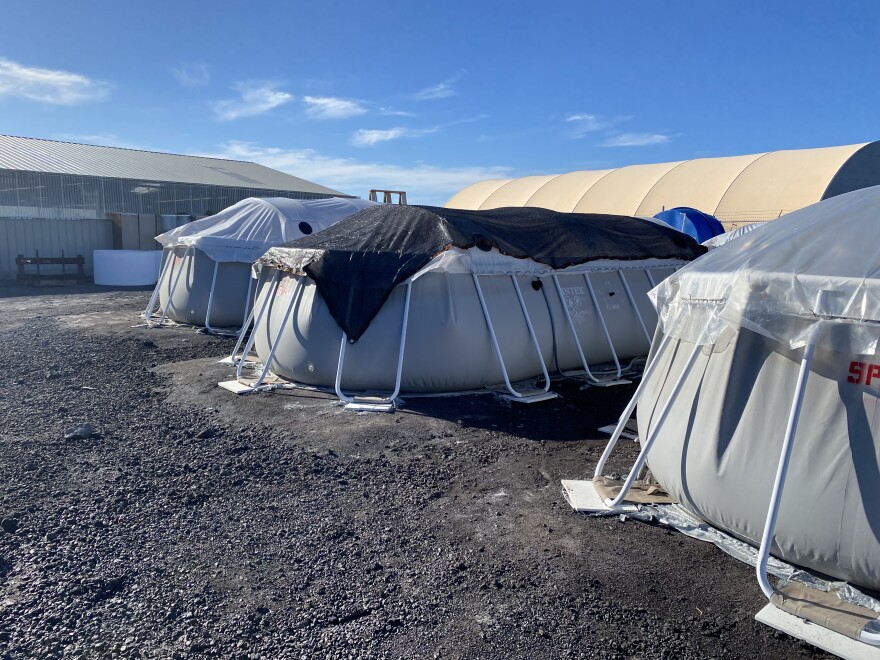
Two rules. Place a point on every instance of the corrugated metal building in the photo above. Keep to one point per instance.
(736, 190)
(59, 196)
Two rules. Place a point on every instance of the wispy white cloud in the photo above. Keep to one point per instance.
(593, 122)
(424, 183)
(369, 137)
(331, 107)
(255, 98)
(49, 85)
(582, 124)
(192, 75)
(441, 90)
(438, 91)
(392, 112)
(636, 139)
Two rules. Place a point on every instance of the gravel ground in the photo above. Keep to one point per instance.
(193, 522)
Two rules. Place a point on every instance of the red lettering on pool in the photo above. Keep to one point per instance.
(873, 372)
(862, 372)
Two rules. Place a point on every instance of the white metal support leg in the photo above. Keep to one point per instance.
(154, 298)
(183, 263)
(376, 405)
(245, 319)
(211, 299)
(577, 343)
(233, 358)
(632, 301)
(245, 316)
(598, 307)
(274, 347)
(249, 308)
(270, 297)
(514, 394)
(630, 407)
(782, 470)
(650, 277)
(572, 330)
(870, 634)
(785, 457)
(537, 346)
(655, 430)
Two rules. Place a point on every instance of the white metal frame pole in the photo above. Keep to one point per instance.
(494, 338)
(655, 431)
(632, 301)
(274, 347)
(154, 298)
(400, 353)
(571, 328)
(782, 470)
(174, 286)
(245, 317)
(525, 311)
(785, 457)
(211, 299)
(601, 316)
(270, 296)
(241, 334)
(250, 310)
(633, 402)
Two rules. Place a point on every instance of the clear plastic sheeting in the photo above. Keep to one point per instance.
(726, 237)
(680, 519)
(769, 281)
(493, 262)
(244, 231)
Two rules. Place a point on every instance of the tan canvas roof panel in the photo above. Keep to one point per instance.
(699, 183)
(622, 191)
(782, 181)
(516, 192)
(736, 189)
(563, 192)
(474, 195)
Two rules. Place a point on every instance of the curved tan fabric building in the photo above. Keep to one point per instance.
(737, 189)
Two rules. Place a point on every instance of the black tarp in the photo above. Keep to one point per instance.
(357, 262)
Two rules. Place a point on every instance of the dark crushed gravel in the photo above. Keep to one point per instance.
(188, 522)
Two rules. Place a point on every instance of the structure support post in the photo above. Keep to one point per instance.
(398, 377)
(655, 430)
(183, 263)
(272, 288)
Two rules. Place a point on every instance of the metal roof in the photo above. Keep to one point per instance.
(36, 155)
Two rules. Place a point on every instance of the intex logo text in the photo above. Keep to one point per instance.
(863, 372)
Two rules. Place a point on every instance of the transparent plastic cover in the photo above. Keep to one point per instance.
(812, 275)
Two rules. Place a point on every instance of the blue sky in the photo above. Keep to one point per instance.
(432, 96)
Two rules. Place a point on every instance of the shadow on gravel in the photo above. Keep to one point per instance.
(574, 416)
